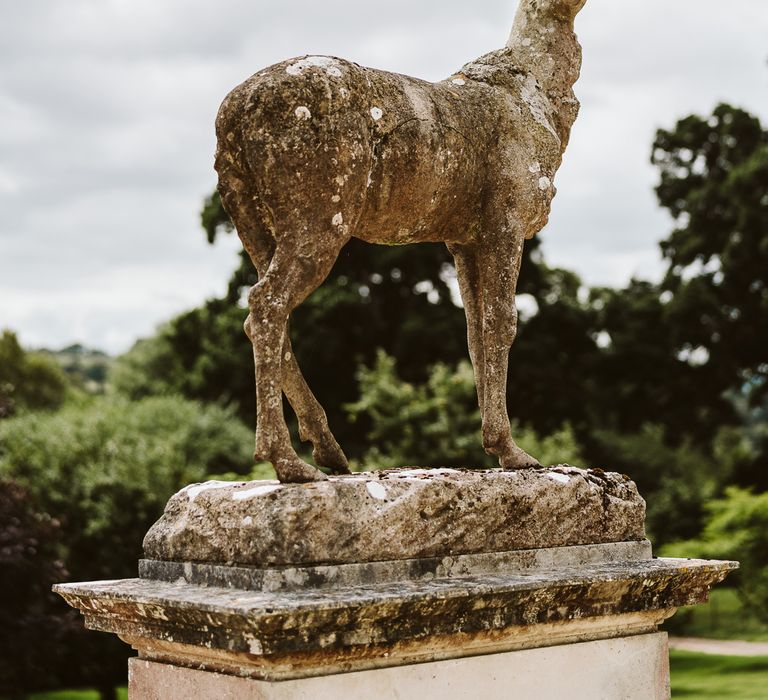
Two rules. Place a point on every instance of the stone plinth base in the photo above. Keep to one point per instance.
(406, 584)
(630, 668)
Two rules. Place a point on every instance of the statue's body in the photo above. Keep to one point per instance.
(316, 150)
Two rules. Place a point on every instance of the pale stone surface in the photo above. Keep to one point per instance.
(398, 514)
(625, 668)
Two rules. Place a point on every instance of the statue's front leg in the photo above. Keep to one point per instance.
(499, 261)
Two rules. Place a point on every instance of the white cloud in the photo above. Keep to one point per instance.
(107, 109)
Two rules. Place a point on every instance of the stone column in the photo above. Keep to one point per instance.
(402, 584)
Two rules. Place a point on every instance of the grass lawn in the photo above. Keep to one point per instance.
(708, 677)
(122, 694)
(722, 618)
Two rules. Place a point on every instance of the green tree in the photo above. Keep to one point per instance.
(28, 380)
(677, 481)
(202, 354)
(436, 423)
(44, 644)
(86, 368)
(736, 528)
(33, 621)
(553, 365)
(106, 469)
(714, 183)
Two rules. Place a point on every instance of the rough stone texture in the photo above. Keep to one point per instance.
(332, 576)
(316, 150)
(629, 668)
(315, 631)
(405, 652)
(395, 515)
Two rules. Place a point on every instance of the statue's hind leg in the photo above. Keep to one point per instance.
(293, 273)
(313, 423)
(468, 275)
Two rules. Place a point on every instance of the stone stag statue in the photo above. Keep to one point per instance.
(316, 150)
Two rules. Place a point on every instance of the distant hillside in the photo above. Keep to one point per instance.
(87, 367)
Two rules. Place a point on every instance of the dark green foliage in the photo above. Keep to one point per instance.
(44, 643)
(105, 470)
(554, 361)
(33, 622)
(28, 380)
(436, 423)
(714, 182)
(736, 528)
(203, 354)
(743, 450)
(639, 373)
(213, 217)
(676, 481)
(393, 298)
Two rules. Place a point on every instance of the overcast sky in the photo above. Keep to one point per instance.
(106, 145)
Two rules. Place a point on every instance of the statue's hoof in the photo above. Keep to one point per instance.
(518, 459)
(295, 471)
(331, 457)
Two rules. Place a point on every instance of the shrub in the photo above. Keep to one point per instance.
(28, 380)
(105, 469)
(437, 423)
(736, 528)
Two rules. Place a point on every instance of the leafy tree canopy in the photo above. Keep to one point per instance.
(736, 528)
(714, 183)
(436, 423)
(28, 380)
(33, 620)
(105, 469)
(95, 476)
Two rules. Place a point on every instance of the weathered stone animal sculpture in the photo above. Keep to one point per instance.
(315, 150)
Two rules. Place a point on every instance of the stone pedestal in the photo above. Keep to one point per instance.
(630, 668)
(407, 584)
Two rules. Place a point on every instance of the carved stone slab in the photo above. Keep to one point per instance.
(285, 578)
(307, 632)
(395, 515)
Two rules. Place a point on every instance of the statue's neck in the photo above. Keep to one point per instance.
(544, 43)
